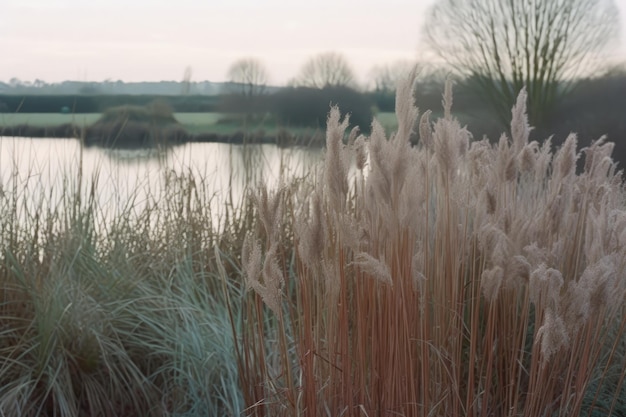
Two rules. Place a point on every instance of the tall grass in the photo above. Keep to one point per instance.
(114, 315)
(453, 278)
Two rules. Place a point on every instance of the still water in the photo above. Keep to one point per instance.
(39, 172)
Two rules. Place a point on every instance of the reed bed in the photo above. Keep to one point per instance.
(458, 277)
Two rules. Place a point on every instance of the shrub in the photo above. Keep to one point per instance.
(451, 278)
(137, 126)
(157, 112)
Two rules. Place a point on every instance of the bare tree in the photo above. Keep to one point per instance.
(386, 77)
(504, 45)
(249, 76)
(329, 69)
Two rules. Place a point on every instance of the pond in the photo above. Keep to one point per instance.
(43, 170)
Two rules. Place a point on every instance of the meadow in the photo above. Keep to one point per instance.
(453, 278)
(212, 122)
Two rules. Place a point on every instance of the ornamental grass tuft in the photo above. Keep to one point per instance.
(457, 277)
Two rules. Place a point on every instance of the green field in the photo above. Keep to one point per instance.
(47, 119)
(193, 122)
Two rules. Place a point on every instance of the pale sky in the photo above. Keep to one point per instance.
(153, 40)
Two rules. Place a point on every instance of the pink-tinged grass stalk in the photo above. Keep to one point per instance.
(453, 278)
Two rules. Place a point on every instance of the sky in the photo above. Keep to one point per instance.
(154, 40)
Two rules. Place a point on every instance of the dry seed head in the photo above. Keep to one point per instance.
(491, 281)
(601, 286)
(520, 129)
(510, 174)
(354, 133)
(426, 132)
(272, 274)
(406, 112)
(379, 180)
(270, 290)
(373, 267)
(545, 286)
(528, 157)
(312, 234)
(566, 157)
(552, 335)
(269, 206)
(543, 161)
(519, 268)
(576, 305)
(446, 151)
(335, 165)
(360, 147)
(251, 258)
(400, 161)
(479, 157)
(349, 231)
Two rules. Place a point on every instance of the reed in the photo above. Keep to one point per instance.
(458, 277)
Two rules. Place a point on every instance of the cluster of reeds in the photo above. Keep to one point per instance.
(113, 308)
(454, 278)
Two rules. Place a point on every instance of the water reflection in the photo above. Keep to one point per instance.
(43, 171)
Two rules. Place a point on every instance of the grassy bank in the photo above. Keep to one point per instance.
(451, 278)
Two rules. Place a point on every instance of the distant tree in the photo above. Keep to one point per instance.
(384, 78)
(249, 76)
(329, 69)
(501, 46)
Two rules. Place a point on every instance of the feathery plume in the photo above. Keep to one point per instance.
(552, 335)
(335, 165)
(520, 129)
(360, 147)
(491, 282)
(406, 112)
(373, 267)
(565, 159)
(426, 132)
(545, 286)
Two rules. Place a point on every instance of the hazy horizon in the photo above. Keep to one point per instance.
(58, 40)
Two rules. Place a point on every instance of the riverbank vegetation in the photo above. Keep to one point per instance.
(454, 277)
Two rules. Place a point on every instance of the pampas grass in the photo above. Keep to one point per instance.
(453, 278)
